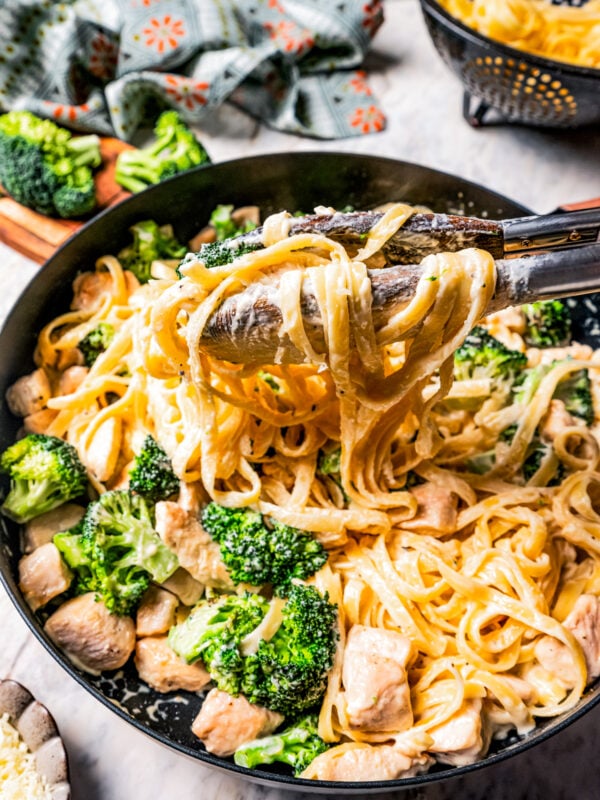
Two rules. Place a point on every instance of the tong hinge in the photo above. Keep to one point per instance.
(556, 232)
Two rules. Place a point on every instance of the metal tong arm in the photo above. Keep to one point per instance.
(554, 274)
(246, 328)
(559, 231)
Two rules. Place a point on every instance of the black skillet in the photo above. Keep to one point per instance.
(273, 182)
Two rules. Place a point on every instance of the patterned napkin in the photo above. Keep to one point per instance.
(108, 65)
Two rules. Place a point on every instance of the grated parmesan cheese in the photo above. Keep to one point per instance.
(19, 779)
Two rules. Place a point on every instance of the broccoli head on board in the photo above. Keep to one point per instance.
(115, 551)
(289, 672)
(152, 474)
(44, 167)
(547, 323)
(297, 745)
(44, 472)
(151, 242)
(175, 149)
(260, 550)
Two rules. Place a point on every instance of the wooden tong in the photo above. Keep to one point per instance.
(426, 233)
(246, 327)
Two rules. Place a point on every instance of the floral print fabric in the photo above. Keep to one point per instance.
(107, 65)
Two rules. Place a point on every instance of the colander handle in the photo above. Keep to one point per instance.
(548, 275)
(566, 230)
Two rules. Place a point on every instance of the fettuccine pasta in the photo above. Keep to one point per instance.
(478, 571)
(559, 32)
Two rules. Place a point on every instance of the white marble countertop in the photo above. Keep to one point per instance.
(112, 761)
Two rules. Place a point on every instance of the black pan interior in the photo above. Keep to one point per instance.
(274, 182)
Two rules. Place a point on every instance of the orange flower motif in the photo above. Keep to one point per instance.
(163, 32)
(186, 91)
(289, 37)
(373, 16)
(276, 5)
(68, 112)
(368, 119)
(103, 59)
(359, 83)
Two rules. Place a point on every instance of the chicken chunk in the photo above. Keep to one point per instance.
(548, 355)
(226, 722)
(187, 589)
(71, 379)
(522, 688)
(366, 763)
(556, 420)
(460, 740)
(40, 530)
(436, 510)
(163, 670)
(39, 421)
(156, 613)
(557, 658)
(191, 497)
(43, 575)
(102, 455)
(29, 394)
(69, 358)
(92, 637)
(584, 624)
(195, 549)
(88, 288)
(374, 676)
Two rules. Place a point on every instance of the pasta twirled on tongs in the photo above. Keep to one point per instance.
(445, 467)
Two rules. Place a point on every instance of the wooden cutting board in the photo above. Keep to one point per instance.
(37, 236)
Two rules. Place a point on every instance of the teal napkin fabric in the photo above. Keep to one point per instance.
(104, 65)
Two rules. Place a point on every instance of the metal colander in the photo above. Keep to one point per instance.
(504, 84)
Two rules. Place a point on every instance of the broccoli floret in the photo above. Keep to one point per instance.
(269, 379)
(225, 249)
(548, 323)
(150, 242)
(45, 168)
(175, 149)
(295, 746)
(330, 463)
(217, 254)
(292, 666)
(214, 631)
(538, 452)
(483, 356)
(45, 472)
(95, 342)
(225, 226)
(289, 672)
(256, 550)
(575, 390)
(576, 393)
(115, 551)
(152, 475)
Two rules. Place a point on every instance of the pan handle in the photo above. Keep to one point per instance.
(594, 203)
(555, 274)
